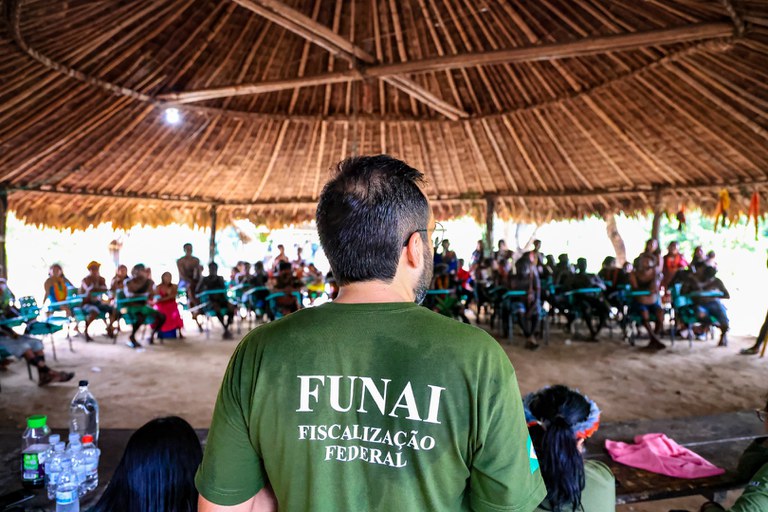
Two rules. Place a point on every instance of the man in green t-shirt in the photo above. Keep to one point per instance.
(370, 402)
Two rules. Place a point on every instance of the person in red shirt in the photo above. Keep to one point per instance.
(673, 261)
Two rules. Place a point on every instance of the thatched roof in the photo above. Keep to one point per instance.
(552, 109)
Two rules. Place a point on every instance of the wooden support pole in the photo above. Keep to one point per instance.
(212, 244)
(3, 226)
(490, 204)
(615, 237)
(657, 213)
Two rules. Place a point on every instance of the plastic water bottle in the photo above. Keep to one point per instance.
(73, 438)
(84, 413)
(75, 455)
(53, 469)
(67, 498)
(34, 444)
(53, 439)
(91, 455)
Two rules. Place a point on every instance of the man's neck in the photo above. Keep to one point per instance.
(373, 292)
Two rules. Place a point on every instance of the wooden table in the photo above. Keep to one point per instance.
(719, 438)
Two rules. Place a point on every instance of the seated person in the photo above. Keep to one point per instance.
(563, 270)
(92, 288)
(526, 278)
(140, 286)
(441, 280)
(705, 280)
(243, 274)
(218, 302)
(118, 281)
(753, 466)
(590, 305)
(315, 282)
(286, 283)
(672, 263)
(698, 259)
(157, 470)
(560, 420)
(31, 349)
(463, 277)
(645, 278)
(615, 280)
(7, 301)
(259, 277)
(57, 289)
(449, 257)
(166, 304)
(548, 268)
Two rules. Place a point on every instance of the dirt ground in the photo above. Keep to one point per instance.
(181, 377)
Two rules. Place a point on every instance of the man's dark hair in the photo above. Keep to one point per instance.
(365, 214)
(187, 245)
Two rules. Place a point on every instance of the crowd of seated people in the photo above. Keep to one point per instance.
(638, 291)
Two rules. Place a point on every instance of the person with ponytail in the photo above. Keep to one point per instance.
(560, 420)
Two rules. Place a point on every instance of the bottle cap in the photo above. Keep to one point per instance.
(60, 446)
(77, 445)
(74, 437)
(87, 439)
(37, 421)
(53, 439)
(83, 383)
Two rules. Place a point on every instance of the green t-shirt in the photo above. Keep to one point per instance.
(371, 407)
(599, 494)
(753, 499)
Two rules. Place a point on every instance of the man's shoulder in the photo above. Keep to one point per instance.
(431, 326)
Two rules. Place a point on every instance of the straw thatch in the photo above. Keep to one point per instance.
(551, 109)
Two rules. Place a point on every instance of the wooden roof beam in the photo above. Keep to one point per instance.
(298, 23)
(588, 46)
(308, 202)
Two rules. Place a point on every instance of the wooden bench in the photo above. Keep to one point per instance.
(719, 438)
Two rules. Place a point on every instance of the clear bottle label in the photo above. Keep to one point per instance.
(65, 497)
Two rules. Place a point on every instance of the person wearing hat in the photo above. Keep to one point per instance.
(92, 288)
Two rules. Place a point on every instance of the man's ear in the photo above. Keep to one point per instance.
(414, 250)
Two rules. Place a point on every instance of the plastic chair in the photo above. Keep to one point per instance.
(686, 313)
(46, 328)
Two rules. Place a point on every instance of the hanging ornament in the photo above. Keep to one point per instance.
(681, 222)
(723, 205)
(754, 212)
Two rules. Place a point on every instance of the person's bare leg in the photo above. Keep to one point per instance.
(88, 322)
(654, 344)
(45, 375)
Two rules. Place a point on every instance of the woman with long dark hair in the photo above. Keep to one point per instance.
(157, 471)
(559, 421)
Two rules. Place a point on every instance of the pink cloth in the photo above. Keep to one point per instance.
(660, 454)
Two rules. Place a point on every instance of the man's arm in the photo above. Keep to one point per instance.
(264, 501)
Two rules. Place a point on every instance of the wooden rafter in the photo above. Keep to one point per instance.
(317, 33)
(387, 72)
